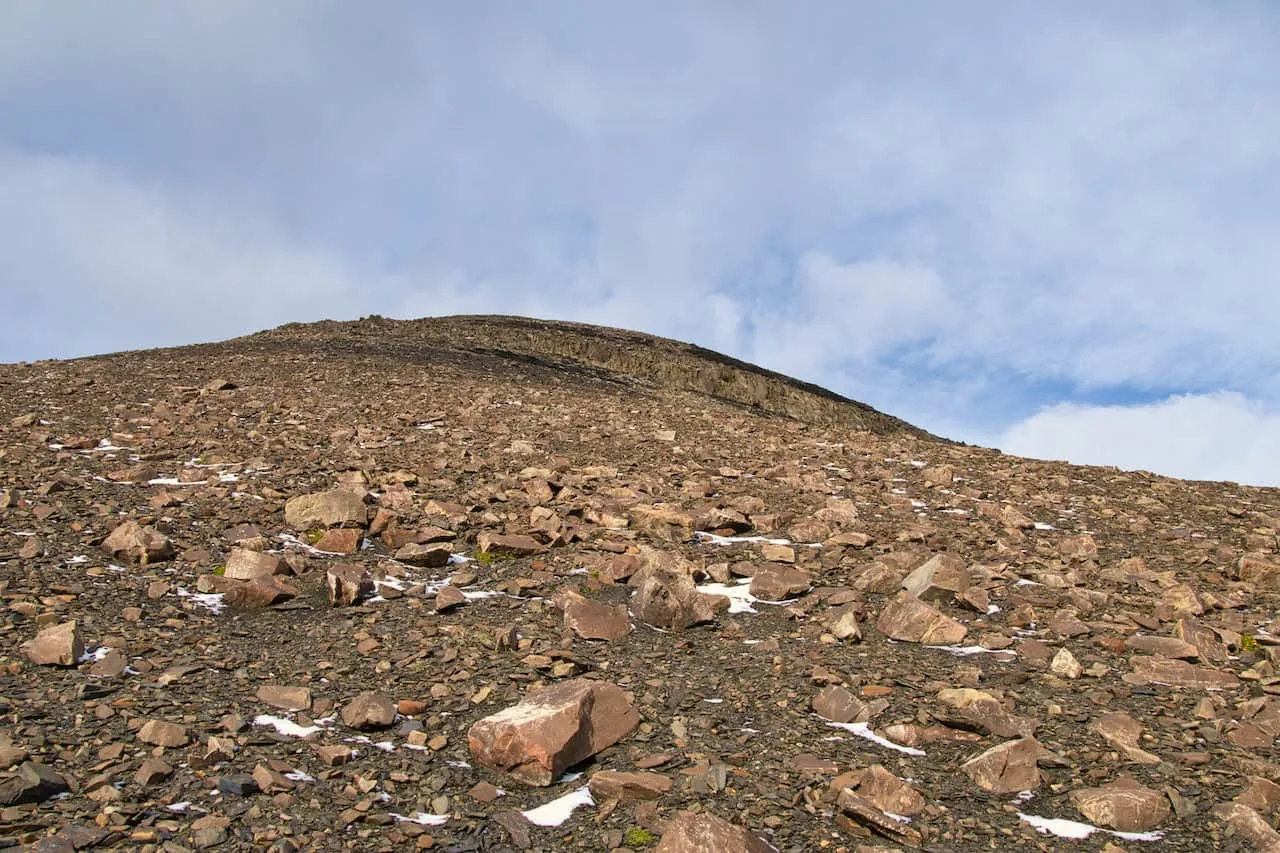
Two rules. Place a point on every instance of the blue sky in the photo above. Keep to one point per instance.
(1048, 227)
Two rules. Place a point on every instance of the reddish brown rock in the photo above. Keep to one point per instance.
(887, 792)
(1124, 805)
(347, 584)
(641, 785)
(56, 645)
(285, 697)
(593, 620)
(1177, 673)
(939, 579)
(518, 546)
(334, 508)
(159, 733)
(980, 711)
(863, 812)
(1124, 732)
(837, 704)
(369, 711)
(703, 832)
(243, 564)
(1168, 647)
(1007, 768)
(553, 729)
(432, 556)
(262, 591)
(448, 598)
(909, 619)
(670, 599)
(775, 582)
(339, 540)
(1246, 823)
(135, 543)
(1080, 547)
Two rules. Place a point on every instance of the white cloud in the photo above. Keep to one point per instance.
(1221, 436)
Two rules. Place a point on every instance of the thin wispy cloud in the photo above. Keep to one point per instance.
(964, 214)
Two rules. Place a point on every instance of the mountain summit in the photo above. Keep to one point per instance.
(493, 584)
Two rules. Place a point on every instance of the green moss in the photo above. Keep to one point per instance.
(1248, 643)
(637, 836)
(495, 556)
(220, 570)
(315, 536)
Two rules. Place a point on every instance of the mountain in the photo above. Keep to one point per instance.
(395, 584)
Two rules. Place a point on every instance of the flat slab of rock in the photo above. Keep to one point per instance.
(243, 564)
(775, 582)
(433, 556)
(1007, 768)
(159, 733)
(1177, 673)
(56, 645)
(285, 697)
(261, 591)
(866, 813)
(333, 508)
(909, 619)
(553, 729)
(1124, 805)
(33, 783)
(516, 545)
(1123, 732)
(940, 578)
(593, 620)
(839, 705)
(639, 785)
(369, 711)
(703, 832)
(138, 544)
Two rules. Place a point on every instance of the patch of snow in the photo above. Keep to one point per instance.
(1040, 525)
(916, 463)
(290, 539)
(422, 818)
(739, 595)
(1026, 582)
(713, 701)
(97, 654)
(863, 730)
(77, 560)
(112, 567)
(385, 745)
(993, 609)
(558, 810)
(209, 600)
(287, 727)
(299, 776)
(953, 510)
(168, 481)
(713, 539)
(427, 426)
(919, 504)
(461, 765)
(1077, 831)
(967, 651)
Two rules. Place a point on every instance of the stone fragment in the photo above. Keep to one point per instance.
(243, 564)
(238, 784)
(1123, 805)
(333, 508)
(369, 711)
(1262, 794)
(261, 591)
(593, 620)
(1007, 768)
(842, 622)
(640, 785)
(1168, 647)
(333, 755)
(339, 540)
(839, 705)
(662, 521)
(909, 619)
(347, 583)
(688, 832)
(777, 553)
(151, 771)
(448, 598)
(978, 710)
(433, 556)
(1178, 601)
(1064, 664)
(56, 645)
(285, 697)
(1177, 673)
(553, 729)
(861, 810)
(939, 579)
(515, 545)
(1081, 547)
(1245, 822)
(887, 792)
(775, 582)
(1124, 732)
(669, 599)
(135, 543)
(33, 783)
(159, 733)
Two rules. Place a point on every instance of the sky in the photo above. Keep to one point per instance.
(1051, 227)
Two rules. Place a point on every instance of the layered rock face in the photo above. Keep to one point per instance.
(495, 584)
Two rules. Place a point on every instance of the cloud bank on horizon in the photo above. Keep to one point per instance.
(1045, 227)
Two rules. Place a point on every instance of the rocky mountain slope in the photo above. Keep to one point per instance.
(483, 584)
